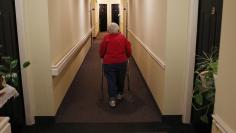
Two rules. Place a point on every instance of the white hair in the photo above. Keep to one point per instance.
(113, 28)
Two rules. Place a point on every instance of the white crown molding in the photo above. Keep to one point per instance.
(157, 59)
(221, 124)
(58, 68)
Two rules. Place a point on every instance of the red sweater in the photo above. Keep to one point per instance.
(115, 49)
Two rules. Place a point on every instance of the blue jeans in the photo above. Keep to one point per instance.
(115, 74)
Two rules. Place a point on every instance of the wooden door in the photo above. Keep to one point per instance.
(103, 17)
(209, 26)
(115, 13)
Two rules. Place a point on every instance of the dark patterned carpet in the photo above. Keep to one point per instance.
(110, 128)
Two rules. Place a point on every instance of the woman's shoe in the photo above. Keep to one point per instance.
(112, 102)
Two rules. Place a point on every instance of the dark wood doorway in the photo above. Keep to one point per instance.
(208, 43)
(9, 47)
(209, 25)
(115, 13)
(103, 17)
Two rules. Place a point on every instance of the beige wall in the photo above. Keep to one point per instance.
(225, 106)
(124, 7)
(162, 27)
(37, 41)
(69, 23)
(215, 129)
(176, 56)
(147, 22)
(95, 17)
(51, 29)
(147, 19)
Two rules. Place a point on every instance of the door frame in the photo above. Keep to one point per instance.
(190, 65)
(28, 99)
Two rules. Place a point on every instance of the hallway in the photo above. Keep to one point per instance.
(82, 110)
(83, 103)
(60, 90)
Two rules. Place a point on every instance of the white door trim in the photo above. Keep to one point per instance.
(190, 64)
(19, 7)
(192, 38)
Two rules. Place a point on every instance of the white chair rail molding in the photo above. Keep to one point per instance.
(58, 68)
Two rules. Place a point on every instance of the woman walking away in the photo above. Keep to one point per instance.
(115, 51)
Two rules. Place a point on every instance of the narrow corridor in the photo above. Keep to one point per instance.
(83, 103)
(59, 92)
(82, 110)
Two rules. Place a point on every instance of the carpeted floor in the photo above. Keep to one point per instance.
(83, 102)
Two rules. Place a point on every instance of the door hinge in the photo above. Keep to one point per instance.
(213, 10)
